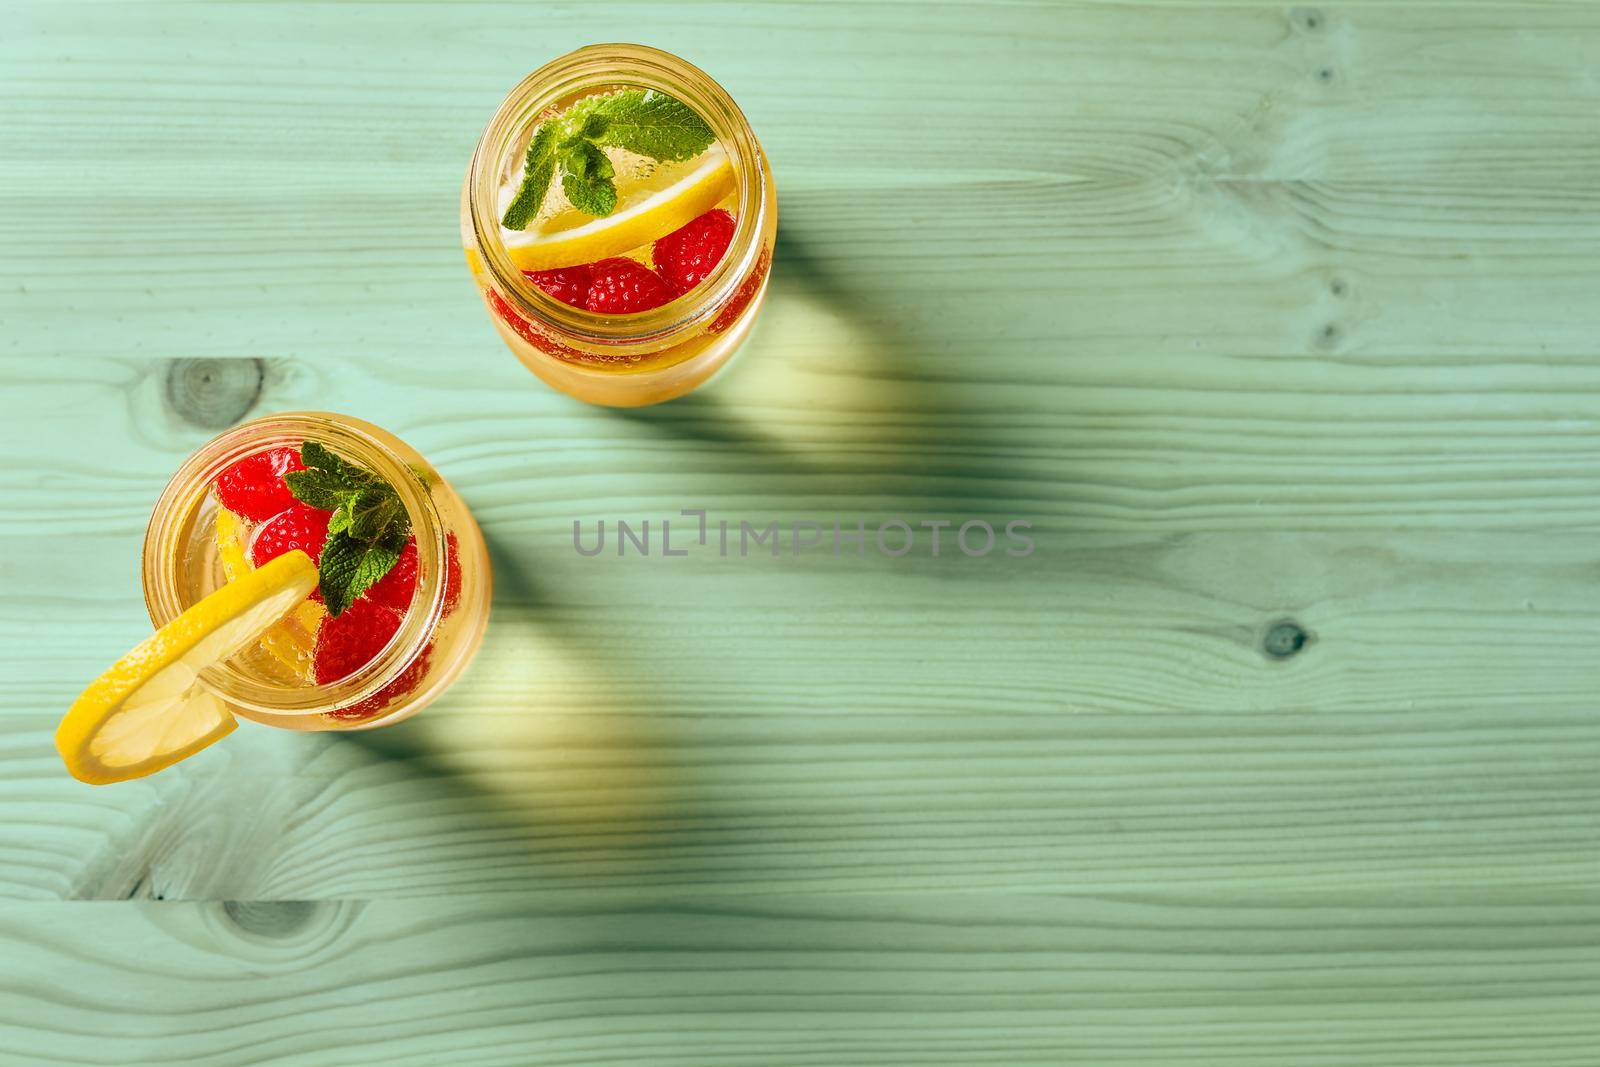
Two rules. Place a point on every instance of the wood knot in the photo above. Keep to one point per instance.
(213, 394)
(1308, 19)
(1284, 639)
(1329, 336)
(269, 918)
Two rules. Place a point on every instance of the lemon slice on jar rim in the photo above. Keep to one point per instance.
(652, 202)
(150, 710)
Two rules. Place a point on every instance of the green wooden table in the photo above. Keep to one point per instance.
(1279, 324)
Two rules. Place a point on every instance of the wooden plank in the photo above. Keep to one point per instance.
(1136, 444)
(808, 981)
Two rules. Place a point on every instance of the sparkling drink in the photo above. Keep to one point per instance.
(619, 217)
(349, 656)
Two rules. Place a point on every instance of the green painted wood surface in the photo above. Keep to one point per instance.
(1259, 313)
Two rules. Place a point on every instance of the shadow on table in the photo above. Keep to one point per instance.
(835, 385)
(522, 773)
(545, 763)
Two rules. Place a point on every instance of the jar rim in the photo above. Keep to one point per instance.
(352, 439)
(591, 67)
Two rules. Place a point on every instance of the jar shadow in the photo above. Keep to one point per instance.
(564, 756)
(545, 763)
(834, 399)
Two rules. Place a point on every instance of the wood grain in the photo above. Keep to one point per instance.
(1277, 321)
(806, 981)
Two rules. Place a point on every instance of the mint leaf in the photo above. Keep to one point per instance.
(320, 458)
(367, 529)
(582, 123)
(374, 512)
(349, 567)
(320, 488)
(653, 124)
(586, 179)
(539, 169)
(643, 121)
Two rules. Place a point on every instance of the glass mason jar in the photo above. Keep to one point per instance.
(621, 360)
(183, 561)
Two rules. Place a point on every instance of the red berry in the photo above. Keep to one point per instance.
(394, 589)
(526, 330)
(378, 702)
(452, 574)
(625, 287)
(349, 641)
(741, 299)
(570, 285)
(301, 526)
(688, 254)
(254, 486)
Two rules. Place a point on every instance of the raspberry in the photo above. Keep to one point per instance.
(570, 285)
(349, 642)
(452, 574)
(625, 287)
(526, 330)
(741, 299)
(378, 702)
(254, 486)
(393, 590)
(301, 526)
(688, 254)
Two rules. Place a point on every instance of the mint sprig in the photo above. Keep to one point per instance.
(538, 169)
(366, 532)
(586, 179)
(643, 121)
(350, 567)
(654, 124)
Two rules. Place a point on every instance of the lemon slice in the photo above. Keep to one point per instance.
(233, 545)
(652, 201)
(149, 710)
(293, 642)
